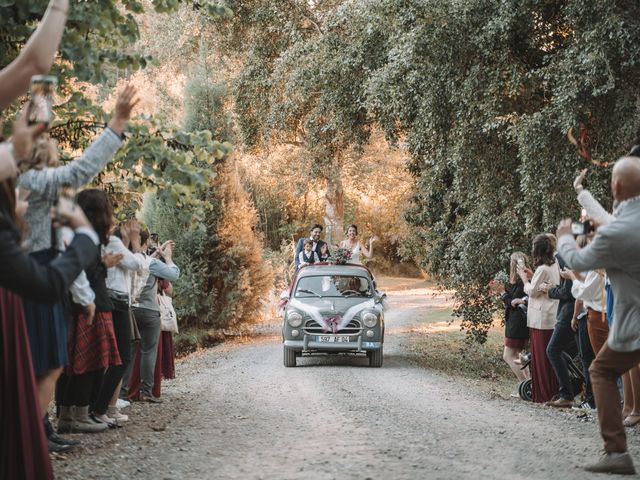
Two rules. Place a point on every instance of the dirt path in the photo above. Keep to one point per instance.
(235, 412)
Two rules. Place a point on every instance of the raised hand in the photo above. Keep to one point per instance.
(124, 233)
(564, 228)
(125, 103)
(577, 183)
(166, 250)
(68, 213)
(23, 139)
(525, 274)
(134, 234)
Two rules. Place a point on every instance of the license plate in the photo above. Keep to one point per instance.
(332, 339)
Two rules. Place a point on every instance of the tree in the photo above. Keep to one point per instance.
(95, 49)
(225, 278)
(483, 94)
(480, 93)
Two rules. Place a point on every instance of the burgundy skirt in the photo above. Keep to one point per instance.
(92, 347)
(165, 367)
(545, 383)
(23, 443)
(520, 343)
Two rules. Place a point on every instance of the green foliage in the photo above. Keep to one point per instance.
(223, 278)
(96, 40)
(480, 93)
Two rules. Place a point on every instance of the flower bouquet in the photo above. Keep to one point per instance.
(500, 279)
(340, 256)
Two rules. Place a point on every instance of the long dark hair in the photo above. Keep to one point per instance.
(8, 198)
(8, 204)
(542, 251)
(99, 212)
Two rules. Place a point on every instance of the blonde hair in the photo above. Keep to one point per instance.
(45, 153)
(513, 265)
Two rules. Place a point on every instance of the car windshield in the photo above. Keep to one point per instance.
(334, 286)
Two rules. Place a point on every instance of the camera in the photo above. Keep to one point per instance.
(582, 228)
(523, 306)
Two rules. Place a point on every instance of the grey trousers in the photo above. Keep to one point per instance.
(148, 322)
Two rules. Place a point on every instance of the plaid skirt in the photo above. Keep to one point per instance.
(92, 347)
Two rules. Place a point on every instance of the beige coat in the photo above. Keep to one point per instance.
(541, 312)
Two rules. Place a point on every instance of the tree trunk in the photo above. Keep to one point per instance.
(334, 210)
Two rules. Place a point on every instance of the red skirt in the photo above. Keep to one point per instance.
(23, 443)
(545, 383)
(165, 367)
(520, 343)
(92, 347)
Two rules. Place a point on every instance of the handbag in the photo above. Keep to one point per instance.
(168, 319)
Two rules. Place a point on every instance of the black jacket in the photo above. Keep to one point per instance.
(43, 283)
(515, 319)
(562, 292)
(300, 247)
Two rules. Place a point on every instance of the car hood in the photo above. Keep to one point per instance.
(333, 305)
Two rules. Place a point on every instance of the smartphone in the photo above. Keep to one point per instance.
(520, 263)
(577, 228)
(582, 228)
(40, 108)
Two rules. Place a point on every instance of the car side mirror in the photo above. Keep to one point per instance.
(284, 295)
(380, 297)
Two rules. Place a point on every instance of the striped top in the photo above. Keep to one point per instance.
(44, 185)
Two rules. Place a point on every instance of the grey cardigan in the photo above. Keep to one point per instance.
(616, 247)
(44, 185)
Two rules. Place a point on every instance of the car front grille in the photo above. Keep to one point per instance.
(312, 327)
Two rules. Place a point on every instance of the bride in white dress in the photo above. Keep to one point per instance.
(353, 244)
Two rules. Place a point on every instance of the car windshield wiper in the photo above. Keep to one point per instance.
(304, 290)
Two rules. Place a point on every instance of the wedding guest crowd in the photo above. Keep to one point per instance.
(582, 303)
(66, 286)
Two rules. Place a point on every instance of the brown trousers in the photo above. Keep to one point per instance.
(598, 329)
(604, 371)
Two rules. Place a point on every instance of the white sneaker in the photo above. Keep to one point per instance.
(114, 413)
(122, 403)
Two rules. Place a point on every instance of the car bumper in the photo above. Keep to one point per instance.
(309, 343)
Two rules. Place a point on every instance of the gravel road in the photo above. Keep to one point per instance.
(235, 412)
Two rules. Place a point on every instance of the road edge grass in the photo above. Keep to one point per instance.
(441, 346)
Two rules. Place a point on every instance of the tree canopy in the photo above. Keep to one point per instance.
(96, 49)
(480, 93)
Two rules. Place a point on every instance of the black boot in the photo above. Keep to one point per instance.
(57, 448)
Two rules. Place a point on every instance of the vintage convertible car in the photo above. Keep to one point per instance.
(333, 309)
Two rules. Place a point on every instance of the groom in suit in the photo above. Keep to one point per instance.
(316, 231)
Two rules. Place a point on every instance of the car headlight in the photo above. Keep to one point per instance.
(294, 319)
(370, 319)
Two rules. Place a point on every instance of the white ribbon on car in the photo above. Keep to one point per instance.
(356, 309)
(313, 312)
(329, 323)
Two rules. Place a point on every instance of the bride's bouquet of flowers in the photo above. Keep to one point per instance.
(340, 256)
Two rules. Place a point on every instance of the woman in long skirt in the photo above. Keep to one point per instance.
(541, 316)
